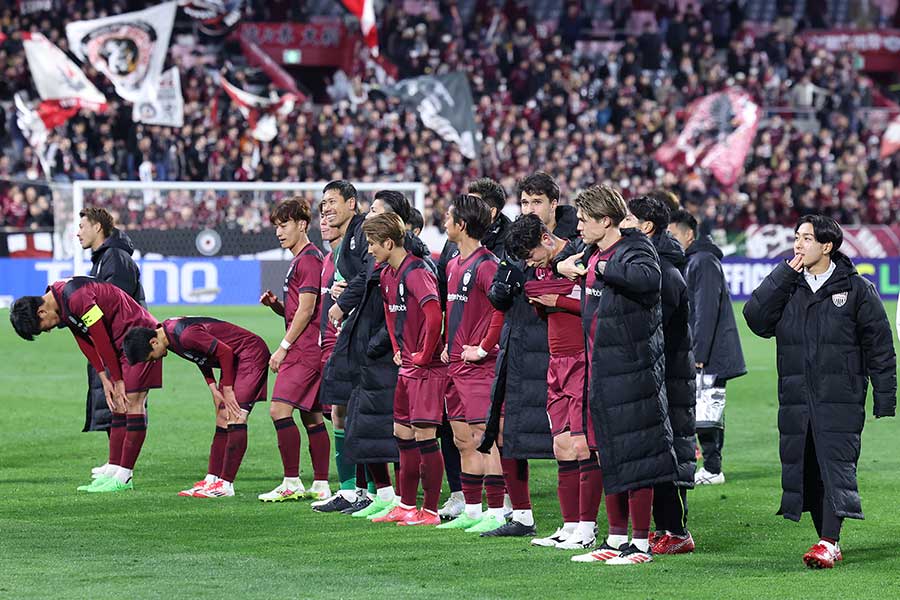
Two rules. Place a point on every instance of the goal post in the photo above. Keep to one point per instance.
(138, 199)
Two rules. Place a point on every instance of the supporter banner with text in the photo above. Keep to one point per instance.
(326, 44)
(880, 48)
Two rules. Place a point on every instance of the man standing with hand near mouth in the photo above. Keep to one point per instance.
(832, 336)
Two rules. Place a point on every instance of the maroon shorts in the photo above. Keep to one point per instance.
(142, 376)
(297, 383)
(469, 395)
(420, 400)
(565, 394)
(251, 380)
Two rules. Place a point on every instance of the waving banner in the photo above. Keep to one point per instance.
(260, 112)
(130, 49)
(445, 105)
(718, 132)
(216, 17)
(168, 108)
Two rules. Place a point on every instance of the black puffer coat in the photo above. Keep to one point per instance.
(680, 369)
(521, 372)
(829, 344)
(110, 263)
(627, 392)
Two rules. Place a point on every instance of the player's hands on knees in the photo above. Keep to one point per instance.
(569, 268)
(232, 408)
(276, 359)
(445, 356)
(398, 360)
(120, 398)
(109, 392)
(217, 396)
(337, 289)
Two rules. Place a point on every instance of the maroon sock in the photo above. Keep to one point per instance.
(515, 475)
(472, 485)
(135, 433)
(217, 452)
(319, 451)
(568, 490)
(493, 489)
(409, 471)
(361, 482)
(116, 438)
(617, 513)
(432, 473)
(831, 541)
(640, 505)
(380, 475)
(590, 489)
(288, 445)
(234, 454)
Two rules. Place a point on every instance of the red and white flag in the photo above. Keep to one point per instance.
(890, 139)
(364, 10)
(717, 135)
(260, 112)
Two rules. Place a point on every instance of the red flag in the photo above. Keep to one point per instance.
(365, 12)
(890, 139)
(717, 135)
(260, 112)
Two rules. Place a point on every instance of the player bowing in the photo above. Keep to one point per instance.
(298, 360)
(242, 358)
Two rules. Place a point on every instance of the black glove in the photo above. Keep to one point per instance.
(488, 439)
(508, 282)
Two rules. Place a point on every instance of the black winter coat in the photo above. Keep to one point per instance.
(521, 373)
(829, 344)
(111, 263)
(680, 370)
(627, 393)
(717, 344)
(352, 263)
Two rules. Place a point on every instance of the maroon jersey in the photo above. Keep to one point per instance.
(593, 291)
(304, 277)
(405, 291)
(213, 344)
(327, 330)
(565, 336)
(87, 304)
(469, 311)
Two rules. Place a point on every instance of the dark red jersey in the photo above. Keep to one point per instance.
(565, 335)
(469, 311)
(213, 344)
(99, 315)
(327, 330)
(304, 277)
(593, 291)
(405, 292)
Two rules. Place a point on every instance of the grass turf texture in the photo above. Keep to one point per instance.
(150, 543)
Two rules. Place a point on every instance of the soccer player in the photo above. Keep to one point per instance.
(473, 329)
(832, 336)
(622, 321)
(111, 262)
(650, 215)
(98, 315)
(558, 301)
(298, 359)
(717, 345)
(413, 315)
(242, 358)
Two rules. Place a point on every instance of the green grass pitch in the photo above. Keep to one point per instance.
(55, 542)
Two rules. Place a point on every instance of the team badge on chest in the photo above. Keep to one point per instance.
(839, 299)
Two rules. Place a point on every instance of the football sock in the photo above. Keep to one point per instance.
(346, 472)
(585, 529)
(116, 440)
(217, 452)
(379, 473)
(567, 478)
(515, 476)
(640, 506)
(472, 486)
(473, 511)
(493, 489)
(642, 544)
(617, 515)
(210, 478)
(386, 494)
(524, 516)
(616, 541)
(123, 474)
(432, 472)
(570, 527)
(234, 454)
(292, 482)
(135, 433)
(408, 481)
(590, 490)
(319, 451)
(288, 445)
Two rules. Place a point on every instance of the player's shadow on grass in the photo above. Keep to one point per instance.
(870, 554)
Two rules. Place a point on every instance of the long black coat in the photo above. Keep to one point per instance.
(627, 392)
(829, 344)
(110, 263)
(521, 373)
(716, 341)
(680, 369)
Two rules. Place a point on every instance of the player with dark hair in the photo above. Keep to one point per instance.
(650, 215)
(832, 336)
(98, 315)
(111, 262)
(413, 315)
(473, 329)
(242, 358)
(298, 360)
(416, 222)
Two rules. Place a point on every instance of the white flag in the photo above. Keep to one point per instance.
(260, 112)
(168, 108)
(130, 49)
(56, 77)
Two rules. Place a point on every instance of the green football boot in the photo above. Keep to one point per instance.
(487, 523)
(100, 480)
(111, 484)
(463, 521)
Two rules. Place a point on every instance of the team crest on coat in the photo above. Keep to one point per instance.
(353, 243)
(839, 299)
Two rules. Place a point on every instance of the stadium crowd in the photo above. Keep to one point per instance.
(584, 113)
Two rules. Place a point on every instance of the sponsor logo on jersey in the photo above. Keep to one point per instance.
(396, 308)
(593, 292)
(457, 298)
